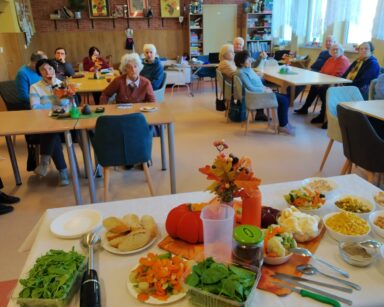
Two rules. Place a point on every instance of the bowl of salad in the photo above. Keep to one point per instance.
(305, 199)
(277, 244)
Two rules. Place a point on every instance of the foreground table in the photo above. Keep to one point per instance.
(373, 108)
(113, 270)
(35, 122)
(163, 116)
(299, 76)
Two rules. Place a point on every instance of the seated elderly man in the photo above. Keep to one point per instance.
(238, 45)
(26, 76)
(323, 55)
(62, 67)
(130, 87)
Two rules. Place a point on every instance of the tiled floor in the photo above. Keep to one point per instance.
(276, 158)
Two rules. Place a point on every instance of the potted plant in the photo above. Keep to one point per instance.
(77, 6)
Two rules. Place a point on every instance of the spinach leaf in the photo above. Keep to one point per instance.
(193, 279)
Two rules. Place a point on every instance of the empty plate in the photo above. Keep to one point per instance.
(148, 109)
(75, 223)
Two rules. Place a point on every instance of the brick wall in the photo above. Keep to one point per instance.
(41, 10)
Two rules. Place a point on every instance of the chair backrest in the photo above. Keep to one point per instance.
(271, 63)
(219, 81)
(361, 143)
(237, 88)
(8, 91)
(334, 96)
(159, 93)
(122, 140)
(372, 92)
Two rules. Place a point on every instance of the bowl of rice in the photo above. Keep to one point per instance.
(346, 226)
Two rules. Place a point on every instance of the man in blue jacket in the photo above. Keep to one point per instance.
(324, 55)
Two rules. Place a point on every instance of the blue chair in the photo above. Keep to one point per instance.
(159, 93)
(123, 140)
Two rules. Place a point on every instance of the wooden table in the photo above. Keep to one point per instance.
(373, 108)
(88, 84)
(298, 76)
(113, 270)
(163, 116)
(35, 122)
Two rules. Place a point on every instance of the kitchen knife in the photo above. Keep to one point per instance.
(296, 283)
(319, 283)
(317, 297)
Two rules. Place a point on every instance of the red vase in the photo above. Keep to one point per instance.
(251, 209)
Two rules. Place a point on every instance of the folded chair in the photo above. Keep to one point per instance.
(123, 140)
(254, 101)
(334, 96)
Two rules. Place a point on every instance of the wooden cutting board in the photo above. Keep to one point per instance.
(196, 252)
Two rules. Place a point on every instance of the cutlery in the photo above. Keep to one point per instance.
(309, 269)
(90, 287)
(304, 252)
(321, 292)
(317, 297)
(319, 283)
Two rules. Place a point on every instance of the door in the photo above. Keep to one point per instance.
(220, 23)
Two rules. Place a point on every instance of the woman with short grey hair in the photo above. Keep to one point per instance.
(153, 70)
(130, 87)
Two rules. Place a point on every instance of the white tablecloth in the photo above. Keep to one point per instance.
(113, 269)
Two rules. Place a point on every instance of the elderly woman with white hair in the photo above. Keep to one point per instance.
(130, 87)
(336, 66)
(227, 65)
(153, 70)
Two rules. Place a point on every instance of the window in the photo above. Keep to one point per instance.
(316, 19)
(362, 30)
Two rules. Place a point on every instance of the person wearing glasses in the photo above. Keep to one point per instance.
(62, 67)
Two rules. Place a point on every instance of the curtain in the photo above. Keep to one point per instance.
(342, 10)
(299, 17)
(281, 16)
(378, 22)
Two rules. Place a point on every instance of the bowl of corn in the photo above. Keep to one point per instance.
(346, 226)
(354, 204)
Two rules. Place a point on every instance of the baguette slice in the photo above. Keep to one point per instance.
(116, 241)
(115, 225)
(135, 240)
(132, 220)
(149, 223)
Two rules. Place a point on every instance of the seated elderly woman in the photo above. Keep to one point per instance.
(364, 69)
(336, 65)
(153, 70)
(252, 82)
(94, 60)
(130, 87)
(42, 96)
(227, 66)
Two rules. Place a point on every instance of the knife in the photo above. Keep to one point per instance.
(327, 294)
(317, 297)
(319, 283)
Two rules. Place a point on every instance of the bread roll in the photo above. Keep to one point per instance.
(132, 220)
(135, 240)
(149, 224)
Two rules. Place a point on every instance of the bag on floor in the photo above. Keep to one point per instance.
(220, 104)
(237, 111)
(33, 157)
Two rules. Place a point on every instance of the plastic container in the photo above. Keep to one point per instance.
(218, 229)
(58, 302)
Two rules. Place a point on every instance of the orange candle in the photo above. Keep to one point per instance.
(251, 209)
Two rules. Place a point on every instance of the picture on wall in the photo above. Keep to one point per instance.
(137, 8)
(119, 10)
(99, 8)
(170, 8)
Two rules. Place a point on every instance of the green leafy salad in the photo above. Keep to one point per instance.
(52, 275)
(231, 281)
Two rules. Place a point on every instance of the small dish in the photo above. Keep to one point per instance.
(302, 238)
(148, 109)
(357, 199)
(379, 198)
(372, 218)
(322, 185)
(75, 223)
(338, 236)
(356, 255)
(116, 251)
(277, 260)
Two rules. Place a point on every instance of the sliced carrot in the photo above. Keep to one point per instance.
(142, 297)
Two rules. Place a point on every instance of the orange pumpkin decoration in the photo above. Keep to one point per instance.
(183, 222)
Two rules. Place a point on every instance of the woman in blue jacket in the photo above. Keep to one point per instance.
(153, 70)
(364, 69)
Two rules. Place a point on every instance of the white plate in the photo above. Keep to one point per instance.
(310, 181)
(75, 223)
(148, 109)
(154, 301)
(113, 250)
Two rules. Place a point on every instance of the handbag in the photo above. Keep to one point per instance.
(33, 151)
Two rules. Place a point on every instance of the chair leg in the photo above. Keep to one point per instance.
(106, 182)
(327, 151)
(148, 178)
(346, 166)
(247, 122)
(274, 121)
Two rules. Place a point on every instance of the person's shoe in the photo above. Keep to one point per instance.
(317, 120)
(261, 117)
(127, 167)
(63, 178)
(5, 209)
(8, 199)
(325, 125)
(287, 129)
(301, 111)
(42, 169)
